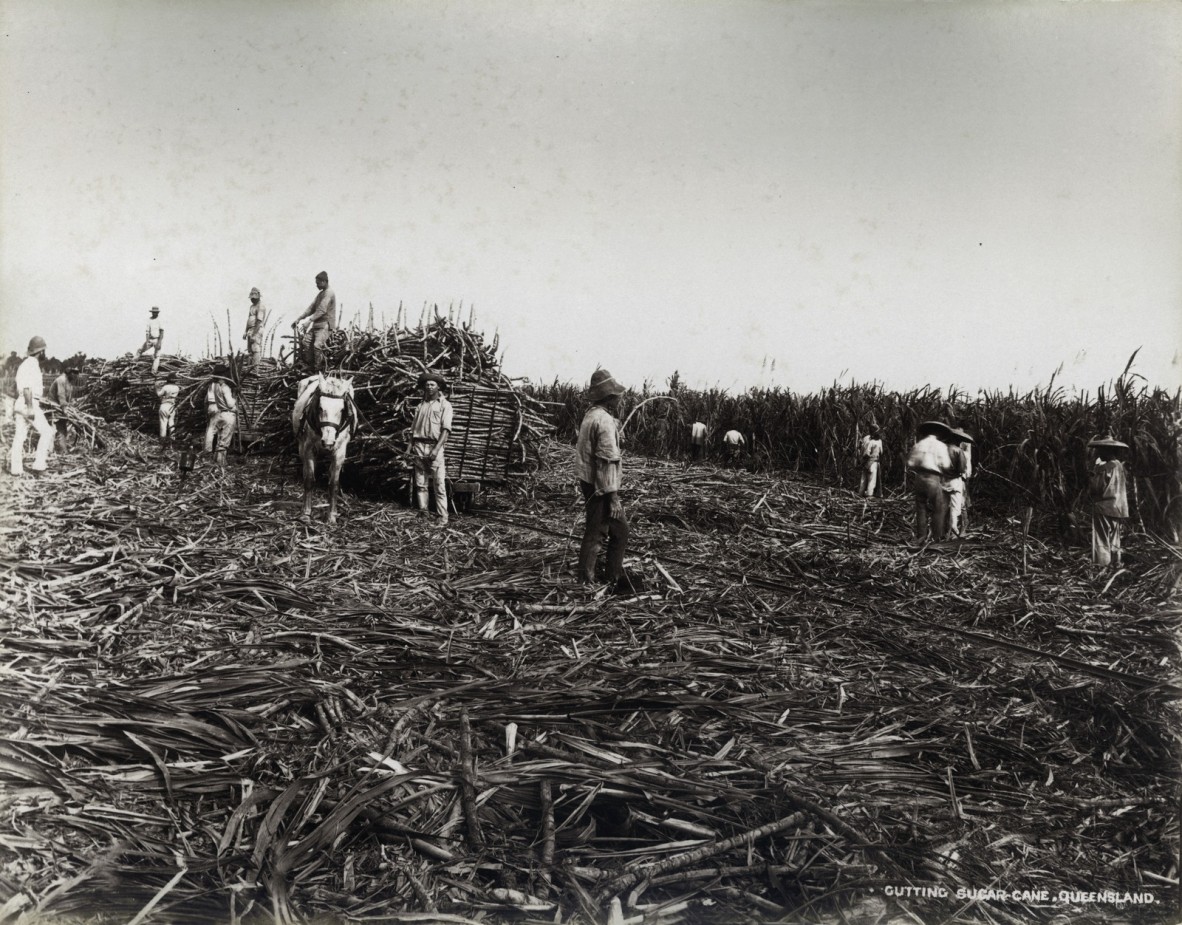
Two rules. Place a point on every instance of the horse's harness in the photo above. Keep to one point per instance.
(313, 421)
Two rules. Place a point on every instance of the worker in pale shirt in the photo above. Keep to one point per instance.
(168, 392)
(598, 467)
(871, 457)
(928, 463)
(734, 443)
(697, 440)
(256, 326)
(429, 433)
(153, 338)
(960, 451)
(221, 409)
(1108, 490)
(28, 413)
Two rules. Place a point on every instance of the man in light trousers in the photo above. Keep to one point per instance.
(432, 426)
(28, 413)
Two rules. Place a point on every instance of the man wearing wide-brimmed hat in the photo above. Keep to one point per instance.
(960, 451)
(598, 464)
(1110, 501)
(928, 463)
(28, 413)
(256, 324)
(221, 409)
(153, 338)
(428, 438)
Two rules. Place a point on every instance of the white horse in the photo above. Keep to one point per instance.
(323, 421)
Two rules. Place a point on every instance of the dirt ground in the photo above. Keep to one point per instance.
(213, 712)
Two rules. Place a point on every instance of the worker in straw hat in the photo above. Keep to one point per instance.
(153, 338)
(168, 392)
(256, 324)
(960, 451)
(871, 456)
(428, 439)
(28, 412)
(1107, 488)
(221, 409)
(598, 465)
(928, 462)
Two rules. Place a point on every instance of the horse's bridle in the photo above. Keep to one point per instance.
(348, 418)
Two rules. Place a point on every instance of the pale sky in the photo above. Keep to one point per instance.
(903, 192)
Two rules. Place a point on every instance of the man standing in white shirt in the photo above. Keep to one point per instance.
(697, 440)
(428, 439)
(960, 450)
(221, 408)
(153, 338)
(734, 442)
(929, 462)
(28, 412)
(871, 456)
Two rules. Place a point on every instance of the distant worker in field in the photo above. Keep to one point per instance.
(598, 467)
(871, 457)
(256, 326)
(928, 462)
(153, 338)
(168, 392)
(1107, 487)
(61, 393)
(28, 413)
(734, 442)
(428, 438)
(321, 316)
(12, 364)
(697, 440)
(960, 451)
(221, 409)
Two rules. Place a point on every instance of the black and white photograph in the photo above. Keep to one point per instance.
(530, 462)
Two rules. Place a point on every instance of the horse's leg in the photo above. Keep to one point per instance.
(334, 479)
(309, 458)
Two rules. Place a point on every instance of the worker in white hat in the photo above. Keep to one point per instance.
(153, 338)
(598, 466)
(28, 412)
(960, 451)
(1108, 489)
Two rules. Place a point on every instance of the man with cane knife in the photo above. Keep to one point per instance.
(598, 464)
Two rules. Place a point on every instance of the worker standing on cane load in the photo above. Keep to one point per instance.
(1107, 487)
(697, 440)
(221, 408)
(432, 426)
(256, 325)
(929, 462)
(168, 392)
(153, 338)
(960, 451)
(322, 318)
(598, 468)
(61, 393)
(871, 454)
(28, 413)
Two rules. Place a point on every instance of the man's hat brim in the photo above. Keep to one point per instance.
(1108, 442)
(935, 427)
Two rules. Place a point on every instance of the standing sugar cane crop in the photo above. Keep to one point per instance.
(256, 325)
(697, 440)
(168, 392)
(1110, 501)
(153, 338)
(960, 451)
(322, 318)
(871, 453)
(598, 468)
(29, 388)
(428, 438)
(61, 393)
(221, 409)
(929, 462)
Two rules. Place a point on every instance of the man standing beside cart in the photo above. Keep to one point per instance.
(432, 426)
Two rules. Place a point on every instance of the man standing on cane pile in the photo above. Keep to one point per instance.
(871, 458)
(929, 462)
(598, 465)
(61, 393)
(256, 324)
(322, 318)
(221, 408)
(428, 438)
(153, 338)
(29, 389)
(1107, 486)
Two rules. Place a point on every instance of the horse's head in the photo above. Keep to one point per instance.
(331, 412)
